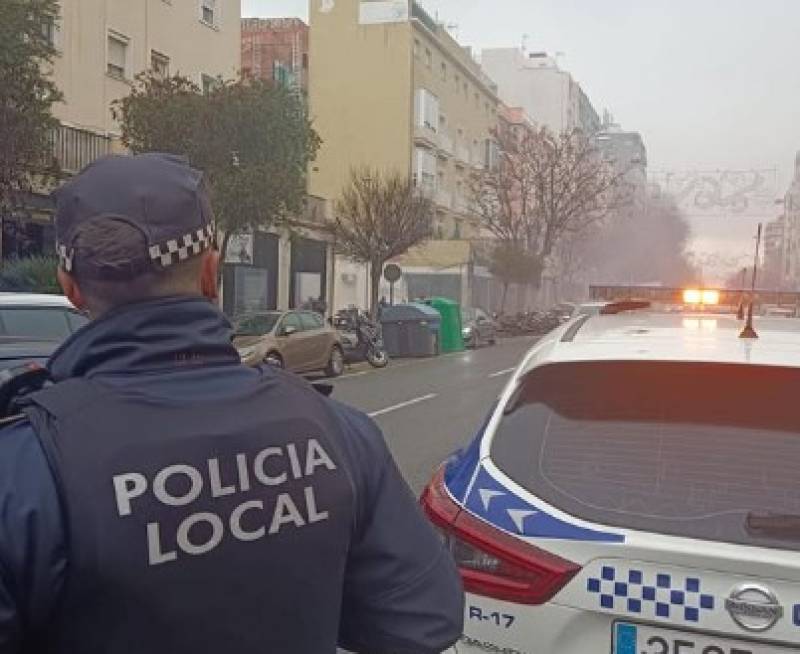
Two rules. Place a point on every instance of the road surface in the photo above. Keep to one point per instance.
(429, 408)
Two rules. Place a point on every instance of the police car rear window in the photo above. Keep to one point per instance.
(675, 448)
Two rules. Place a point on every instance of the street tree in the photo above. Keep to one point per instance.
(510, 263)
(542, 188)
(27, 95)
(252, 139)
(377, 218)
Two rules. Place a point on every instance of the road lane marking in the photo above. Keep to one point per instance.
(500, 373)
(355, 374)
(402, 405)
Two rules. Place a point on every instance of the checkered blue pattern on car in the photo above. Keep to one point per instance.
(657, 595)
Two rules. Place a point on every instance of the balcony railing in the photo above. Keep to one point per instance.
(461, 204)
(444, 198)
(74, 148)
(463, 154)
(425, 136)
(446, 144)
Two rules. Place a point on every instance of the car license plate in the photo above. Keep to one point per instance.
(641, 639)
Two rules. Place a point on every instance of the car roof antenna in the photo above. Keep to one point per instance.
(749, 331)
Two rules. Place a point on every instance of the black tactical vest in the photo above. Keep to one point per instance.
(197, 528)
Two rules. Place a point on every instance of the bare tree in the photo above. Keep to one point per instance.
(379, 217)
(544, 187)
(648, 246)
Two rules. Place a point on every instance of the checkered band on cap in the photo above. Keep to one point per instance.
(180, 249)
(65, 256)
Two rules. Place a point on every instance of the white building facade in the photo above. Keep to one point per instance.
(534, 82)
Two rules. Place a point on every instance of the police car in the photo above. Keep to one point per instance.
(636, 490)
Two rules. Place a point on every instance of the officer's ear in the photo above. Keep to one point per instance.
(209, 275)
(72, 290)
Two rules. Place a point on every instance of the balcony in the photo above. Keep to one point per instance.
(463, 156)
(446, 147)
(426, 137)
(461, 204)
(74, 148)
(444, 199)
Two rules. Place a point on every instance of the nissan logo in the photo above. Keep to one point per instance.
(754, 607)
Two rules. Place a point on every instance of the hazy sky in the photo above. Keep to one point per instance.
(710, 84)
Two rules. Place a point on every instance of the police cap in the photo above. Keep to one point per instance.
(159, 195)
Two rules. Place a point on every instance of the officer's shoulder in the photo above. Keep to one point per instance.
(16, 431)
(19, 419)
(20, 450)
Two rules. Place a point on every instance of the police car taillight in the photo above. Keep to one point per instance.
(492, 562)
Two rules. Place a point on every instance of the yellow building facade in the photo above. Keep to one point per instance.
(104, 44)
(390, 88)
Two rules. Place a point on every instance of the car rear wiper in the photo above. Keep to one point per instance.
(774, 525)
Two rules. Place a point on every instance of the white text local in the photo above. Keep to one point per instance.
(201, 532)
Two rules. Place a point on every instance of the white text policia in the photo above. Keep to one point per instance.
(271, 467)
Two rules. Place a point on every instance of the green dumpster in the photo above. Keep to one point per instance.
(451, 338)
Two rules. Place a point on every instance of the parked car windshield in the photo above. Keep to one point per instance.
(257, 324)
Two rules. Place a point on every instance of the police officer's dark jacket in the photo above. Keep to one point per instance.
(163, 498)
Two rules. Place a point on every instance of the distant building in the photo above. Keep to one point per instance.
(390, 88)
(534, 81)
(102, 45)
(626, 152)
(276, 49)
(772, 276)
(791, 241)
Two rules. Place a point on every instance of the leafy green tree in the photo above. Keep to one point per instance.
(27, 94)
(377, 218)
(253, 139)
(510, 263)
(30, 275)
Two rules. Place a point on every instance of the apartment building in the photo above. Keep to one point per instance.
(390, 88)
(535, 82)
(276, 49)
(103, 45)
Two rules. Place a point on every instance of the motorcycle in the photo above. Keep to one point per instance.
(361, 338)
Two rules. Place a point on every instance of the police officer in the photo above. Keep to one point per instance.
(161, 497)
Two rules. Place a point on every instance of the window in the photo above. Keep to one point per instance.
(159, 64)
(417, 48)
(117, 65)
(477, 100)
(425, 170)
(311, 321)
(76, 320)
(428, 58)
(51, 31)
(427, 110)
(290, 320)
(47, 324)
(672, 443)
(257, 325)
(444, 71)
(458, 83)
(208, 12)
(208, 83)
(466, 90)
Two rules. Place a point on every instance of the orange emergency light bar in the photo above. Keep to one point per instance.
(697, 296)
